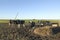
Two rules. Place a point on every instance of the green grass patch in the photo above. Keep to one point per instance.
(4, 21)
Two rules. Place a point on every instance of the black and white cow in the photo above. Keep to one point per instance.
(45, 23)
(32, 24)
(48, 23)
(17, 22)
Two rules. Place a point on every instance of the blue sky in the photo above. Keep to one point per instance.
(30, 9)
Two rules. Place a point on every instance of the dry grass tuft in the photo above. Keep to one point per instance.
(43, 31)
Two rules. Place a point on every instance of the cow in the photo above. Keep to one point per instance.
(48, 23)
(56, 30)
(16, 22)
(42, 23)
(32, 24)
(45, 23)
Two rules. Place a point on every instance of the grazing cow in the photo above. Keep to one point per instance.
(42, 23)
(48, 23)
(32, 24)
(45, 23)
(17, 22)
(56, 30)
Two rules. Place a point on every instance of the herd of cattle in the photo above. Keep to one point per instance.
(55, 29)
(40, 23)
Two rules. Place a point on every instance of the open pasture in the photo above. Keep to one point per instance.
(23, 33)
